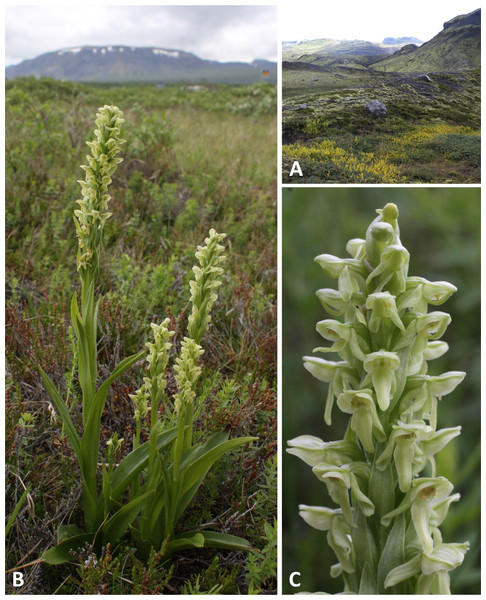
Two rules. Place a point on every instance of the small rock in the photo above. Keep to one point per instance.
(424, 77)
(376, 108)
(303, 106)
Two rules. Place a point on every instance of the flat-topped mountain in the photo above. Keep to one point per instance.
(117, 64)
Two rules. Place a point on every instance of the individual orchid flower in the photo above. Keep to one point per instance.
(365, 421)
(423, 398)
(332, 521)
(420, 292)
(432, 568)
(349, 272)
(341, 479)
(430, 446)
(383, 312)
(423, 496)
(356, 248)
(393, 269)
(312, 450)
(335, 305)
(334, 266)
(402, 445)
(347, 342)
(338, 374)
(381, 367)
(436, 566)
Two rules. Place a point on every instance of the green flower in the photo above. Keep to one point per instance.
(424, 495)
(420, 292)
(422, 398)
(365, 421)
(347, 342)
(433, 568)
(393, 269)
(381, 367)
(436, 566)
(338, 374)
(335, 305)
(403, 445)
(332, 521)
(341, 479)
(312, 450)
(383, 312)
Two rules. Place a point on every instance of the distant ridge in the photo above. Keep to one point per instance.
(118, 64)
(456, 48)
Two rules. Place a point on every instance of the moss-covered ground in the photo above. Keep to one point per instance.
(430, 134)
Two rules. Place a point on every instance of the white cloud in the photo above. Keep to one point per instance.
(371, 21)
(217, 32)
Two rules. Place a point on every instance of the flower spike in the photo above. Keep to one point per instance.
(385, 531)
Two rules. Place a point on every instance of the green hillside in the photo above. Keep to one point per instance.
(456, 48)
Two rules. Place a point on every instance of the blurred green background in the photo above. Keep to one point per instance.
(441, 229)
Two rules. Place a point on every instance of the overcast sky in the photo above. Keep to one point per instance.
(223, 33)
(370, 21)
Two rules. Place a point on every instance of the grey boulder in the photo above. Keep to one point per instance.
(376, 108)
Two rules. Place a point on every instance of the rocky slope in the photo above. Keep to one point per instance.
(456, 48)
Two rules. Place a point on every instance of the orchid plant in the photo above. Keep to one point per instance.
(147, 492)
(385, 530)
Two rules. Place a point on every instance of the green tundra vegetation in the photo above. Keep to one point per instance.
(186, 169)
(431, 133)
(441, 230)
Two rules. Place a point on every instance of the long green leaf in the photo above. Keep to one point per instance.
(120, 522)
(15, 512)
(196, 451)
(62, 552)
(133, 464)
(63, 412)
(185, 543)
(91, 436)
(65, 532)
(223, 541)
(197, 469)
